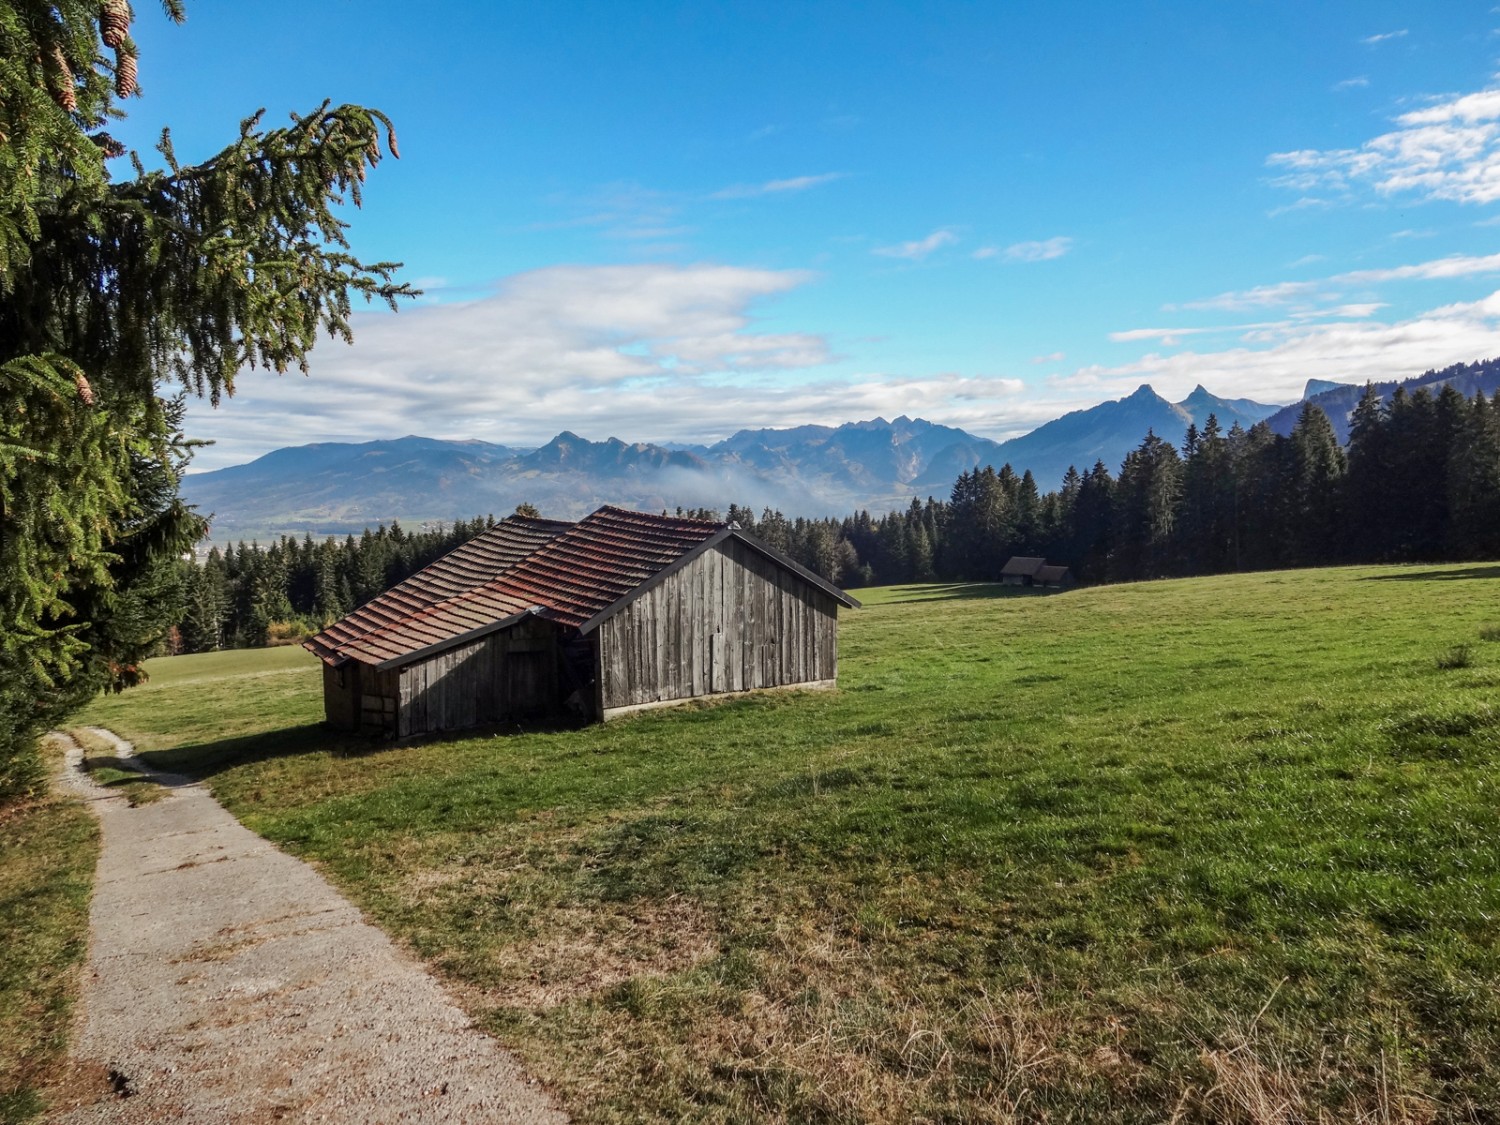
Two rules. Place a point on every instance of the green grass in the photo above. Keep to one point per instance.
(48, 848)
(1183, 851)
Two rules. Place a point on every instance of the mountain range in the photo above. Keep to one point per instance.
(335, 488)
(1338, 400)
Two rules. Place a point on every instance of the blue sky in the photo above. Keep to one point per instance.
(667, 221)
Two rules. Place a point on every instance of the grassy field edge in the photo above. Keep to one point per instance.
(49, 845)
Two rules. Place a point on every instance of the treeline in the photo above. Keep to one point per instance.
(1418, 481)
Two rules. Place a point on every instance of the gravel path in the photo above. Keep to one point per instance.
(228, 981)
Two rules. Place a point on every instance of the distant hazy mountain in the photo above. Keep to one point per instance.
(806, 470)
(810, 470)
(1109, 431)
(1338, 400)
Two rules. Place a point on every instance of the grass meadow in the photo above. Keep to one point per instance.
(1221, 849)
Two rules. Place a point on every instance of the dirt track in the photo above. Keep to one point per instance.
(227, 981)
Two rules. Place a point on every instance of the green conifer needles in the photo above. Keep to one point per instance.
(112, 290)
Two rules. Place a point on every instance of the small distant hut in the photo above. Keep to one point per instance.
(1021, 571)
(618, 612)
(1054, 577)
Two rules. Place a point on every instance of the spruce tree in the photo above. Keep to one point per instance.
(112, 289)
(1316, 483)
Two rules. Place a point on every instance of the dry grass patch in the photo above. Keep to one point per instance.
(590, 949)
(1253, 1083)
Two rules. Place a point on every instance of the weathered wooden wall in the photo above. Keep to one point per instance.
(507, 674)
(379, 693)
(341, 696)
(731, 620)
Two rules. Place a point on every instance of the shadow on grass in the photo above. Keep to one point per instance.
(201, 761)
(1448, 575)
(953, 591)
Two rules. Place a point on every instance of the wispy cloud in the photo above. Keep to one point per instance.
(1449, 150)
(1328, 289)
(1352, 83)
(776, 187)
(1306, 203)
(1274, 363)
(920, 248)
(1384, 37)
(1171, 336)
(1043, 251)
(1455, 265)
(1053, 357)
(1259, 297)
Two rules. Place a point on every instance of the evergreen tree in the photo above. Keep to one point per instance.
(1368, 534)
(109, 291)
(1316, 472)
(1207, 530)
(1146, 500)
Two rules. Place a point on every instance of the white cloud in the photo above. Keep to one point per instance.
(1044, 251)
(1306, 203)
(1261, 296)
(916, 251)
(1456, 265)
(545, 348)
(776, 187)
(1289, 354)
(1053, 357)
(1352, 83)
(1383, 37)
(1327, 289)
(1449, 150)
(1169, 336)
(1356, 311)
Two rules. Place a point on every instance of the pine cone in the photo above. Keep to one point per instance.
(107, 145)
(125, 72)
(85, 391)
(114, 22)
(63, 92)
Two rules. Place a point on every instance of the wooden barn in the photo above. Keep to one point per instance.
(618, 612)
(1021, 571)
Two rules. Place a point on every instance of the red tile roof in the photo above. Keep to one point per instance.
(599, 560)
(464, 569)
(568, 578)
